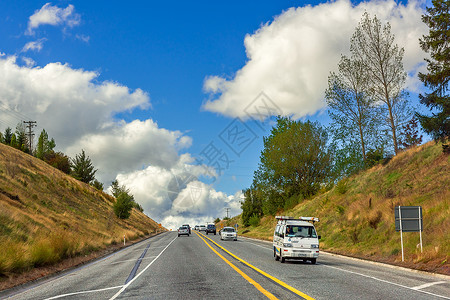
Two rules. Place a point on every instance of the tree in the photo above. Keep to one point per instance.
(97, 185)
(436, 43)
(7, 136)
(21, 138)
(13, 142)
(295, 161)
(217, 220)
(352, 111)
(58, 160)
(373, 44)
(409, 136)
(252, 204)
(118, 189)
(123, 206)
(44, 146)
(82, 168)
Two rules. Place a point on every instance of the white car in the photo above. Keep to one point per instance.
(202, 228)
(183, 230)
(228, 233)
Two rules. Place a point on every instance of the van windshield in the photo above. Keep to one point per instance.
(301, 231)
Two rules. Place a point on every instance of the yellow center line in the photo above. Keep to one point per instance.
(255, 284)
(292, 289)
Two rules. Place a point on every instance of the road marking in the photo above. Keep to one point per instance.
(427, 285)
(122, 261)
(254, 283)
(85, 292)
(385, 281)
(145, 269)
(285, 285)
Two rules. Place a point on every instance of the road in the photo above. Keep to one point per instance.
(204, 267)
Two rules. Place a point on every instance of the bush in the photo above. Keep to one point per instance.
(342, 187)
(254, 220)
(124, 204)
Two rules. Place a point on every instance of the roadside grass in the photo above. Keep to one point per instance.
(47, 216)
(357, 214)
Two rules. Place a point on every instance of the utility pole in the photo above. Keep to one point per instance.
(30, 126)
(227, 209)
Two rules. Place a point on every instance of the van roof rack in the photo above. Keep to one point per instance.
(310, 219)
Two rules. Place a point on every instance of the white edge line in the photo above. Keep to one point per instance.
(385, 281)
(85, 292)
(140, 273)
(427, 285)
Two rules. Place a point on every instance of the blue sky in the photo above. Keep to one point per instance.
(86, 71)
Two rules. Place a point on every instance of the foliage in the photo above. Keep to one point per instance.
(217, 220)
(118, 189)
(82, 168)
(58, 160)
(97, 185)
(44, 145)
(22, 142)
(123, 205)
(251, 205)
(7, 136)
(409, 136)
(438, 67)
(254, 220)
(373, 45)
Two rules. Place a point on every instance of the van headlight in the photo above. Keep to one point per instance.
(315, 246)
(287, 245)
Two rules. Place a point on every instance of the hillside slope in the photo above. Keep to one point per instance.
(357, 215)
(47, 216)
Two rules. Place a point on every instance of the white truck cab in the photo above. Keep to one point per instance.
(296, 238)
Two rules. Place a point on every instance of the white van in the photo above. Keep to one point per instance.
(296, 239)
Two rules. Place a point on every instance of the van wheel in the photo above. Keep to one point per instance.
(277, 258)
(282, 258)
(313, 260)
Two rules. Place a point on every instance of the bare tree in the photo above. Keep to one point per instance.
(373, 44)
(350, 107)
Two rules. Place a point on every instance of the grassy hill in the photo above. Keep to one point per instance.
(47, 216)
(357, 215)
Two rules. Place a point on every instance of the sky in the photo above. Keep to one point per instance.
(173, 99)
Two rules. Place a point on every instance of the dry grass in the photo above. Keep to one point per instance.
(360, 221)
(47, 216)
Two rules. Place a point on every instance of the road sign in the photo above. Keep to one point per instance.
(408, 219)
(411, 218)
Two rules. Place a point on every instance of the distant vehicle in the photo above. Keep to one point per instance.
(228, 233)
(196, 227)
(296, 239)
(189, 227)
(201, 228)
(211, 228)
(183, 230)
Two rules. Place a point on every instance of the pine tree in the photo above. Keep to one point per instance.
(82, 168)
(436, 43)
(7, 136)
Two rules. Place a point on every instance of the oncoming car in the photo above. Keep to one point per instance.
(201, 228)
(211, 228)
(183, 230)
(296, 239)
(228, 233)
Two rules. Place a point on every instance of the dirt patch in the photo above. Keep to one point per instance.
(14, 280)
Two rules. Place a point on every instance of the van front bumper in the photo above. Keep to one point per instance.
(300, 253)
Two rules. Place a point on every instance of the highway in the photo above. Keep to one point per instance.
(204, 267)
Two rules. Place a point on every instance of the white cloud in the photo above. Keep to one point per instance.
(78, 112)
(290, 58)
(29, 62)
(53, 15)
(67, 102)
(34, 46)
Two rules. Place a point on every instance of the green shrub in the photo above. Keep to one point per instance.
(124, 204)
(342, 187)
(254, 220)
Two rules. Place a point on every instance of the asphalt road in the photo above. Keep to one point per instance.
(194, 267)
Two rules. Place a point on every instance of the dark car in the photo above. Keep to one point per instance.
(211, 228)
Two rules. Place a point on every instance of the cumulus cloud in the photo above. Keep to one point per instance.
(34, 45)
(67, 102)
(79, 112)
(53, 15)
(290, 58)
